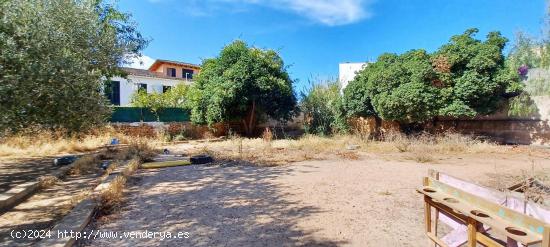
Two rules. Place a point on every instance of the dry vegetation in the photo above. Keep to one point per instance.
(86, 164)
(47, 143)
(112, 197)
(47, 181)
(421, 148)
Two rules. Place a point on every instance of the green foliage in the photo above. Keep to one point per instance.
(357, 99)
(243, 83)
(53, 57)
(523, 52)
(478, 75)
(156, 101)
(464, 77)
(522, 106)
(323, 109)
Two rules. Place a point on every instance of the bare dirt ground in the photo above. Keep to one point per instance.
(369, 200)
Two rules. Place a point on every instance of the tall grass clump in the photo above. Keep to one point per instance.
(138, 150)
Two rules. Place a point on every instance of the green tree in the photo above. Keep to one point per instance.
(156, 101)
(153, 101)
(464, 77)
(477, 80)
(242, 84)
(176, 97)
(323, 109)
(54, 56)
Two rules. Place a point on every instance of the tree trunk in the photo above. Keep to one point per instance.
(250, 123)
(377, 135)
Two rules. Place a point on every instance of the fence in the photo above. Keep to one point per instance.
(139, 114)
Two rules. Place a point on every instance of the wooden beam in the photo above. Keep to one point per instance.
(472, 231)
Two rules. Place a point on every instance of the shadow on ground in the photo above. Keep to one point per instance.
(218, 206)
(22, 170)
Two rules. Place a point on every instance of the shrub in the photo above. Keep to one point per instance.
(323, 110)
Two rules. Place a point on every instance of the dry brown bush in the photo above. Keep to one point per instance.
(47, 181)
(138, 150)
(86, 164)
(113, 196)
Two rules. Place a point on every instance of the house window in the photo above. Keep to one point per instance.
(166, 88)
(142, 87)
(171, 72)
(187, 74)
(112, 92)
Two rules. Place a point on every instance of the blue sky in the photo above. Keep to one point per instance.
(314, 36)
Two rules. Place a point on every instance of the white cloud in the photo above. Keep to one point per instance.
(327, 12)
(143, 62)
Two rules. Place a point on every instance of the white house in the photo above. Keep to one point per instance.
(160, 77)
(347, 72)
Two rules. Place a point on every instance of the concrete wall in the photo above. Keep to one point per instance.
(347, 72)
(130, 85)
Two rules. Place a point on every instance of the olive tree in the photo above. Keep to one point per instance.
(54, 56)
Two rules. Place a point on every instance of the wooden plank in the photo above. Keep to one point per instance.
(546, 236)
(436, 240)
(504, 213)
(487, 241)
(472, 231)
(461, 202)
(427, 214)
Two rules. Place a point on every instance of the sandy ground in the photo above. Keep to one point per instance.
(366, 202)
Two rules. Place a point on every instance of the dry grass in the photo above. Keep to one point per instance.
(80, 196)
(47, 181)
(131, 167)
(45, 143)
(86, 164)
(348, 155)
(422, 157)
(138, 150)
(421, 148)
(112, 197)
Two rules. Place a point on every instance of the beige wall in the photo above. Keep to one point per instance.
(164, 67)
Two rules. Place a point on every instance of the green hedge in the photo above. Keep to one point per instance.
(139, 114)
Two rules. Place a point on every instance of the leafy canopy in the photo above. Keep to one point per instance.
(54, 56)
(156, 101)
(323, 110)
(242, 83)
(464, 77)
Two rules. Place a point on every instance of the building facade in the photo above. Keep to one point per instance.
(161, 76)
